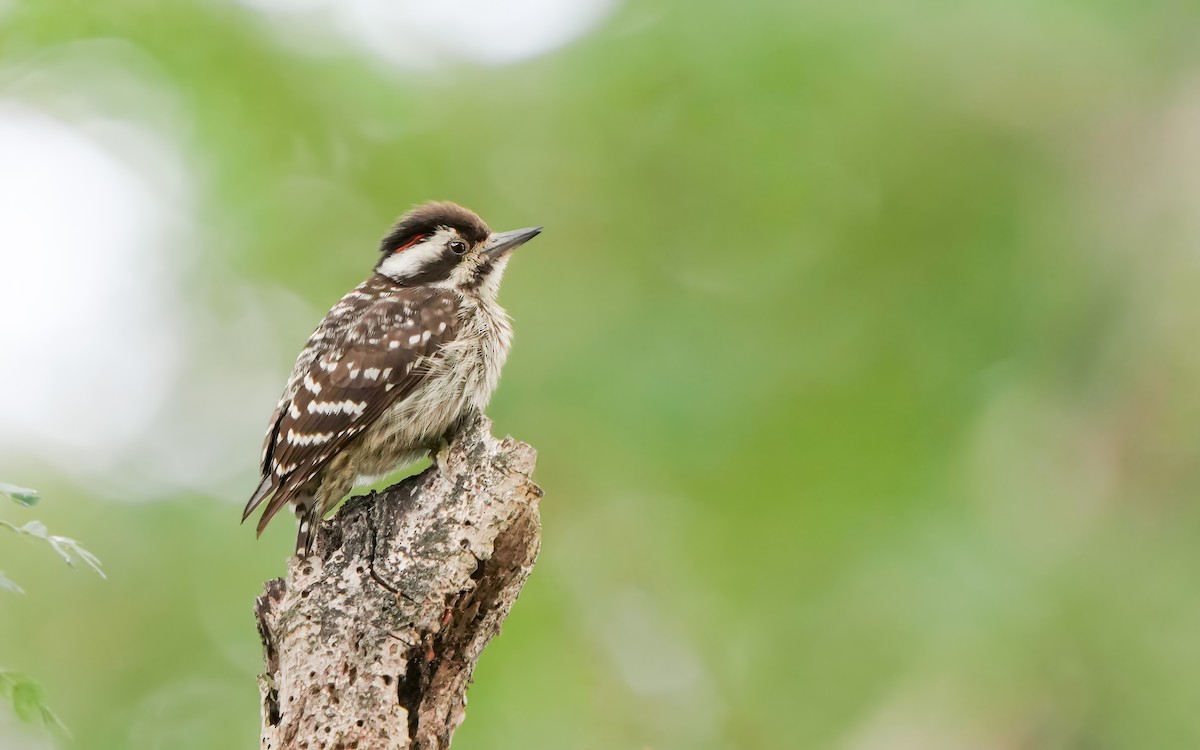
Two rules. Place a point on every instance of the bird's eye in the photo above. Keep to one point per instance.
(457, 247)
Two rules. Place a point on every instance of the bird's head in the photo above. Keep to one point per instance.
(444, 245)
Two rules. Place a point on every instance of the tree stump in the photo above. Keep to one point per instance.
(371, 642)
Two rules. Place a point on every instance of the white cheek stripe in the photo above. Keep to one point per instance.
(411, 260)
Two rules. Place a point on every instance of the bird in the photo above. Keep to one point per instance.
(393, 368)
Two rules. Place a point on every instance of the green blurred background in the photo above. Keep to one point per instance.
(860, 351)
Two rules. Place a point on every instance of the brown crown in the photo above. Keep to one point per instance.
(427, 218)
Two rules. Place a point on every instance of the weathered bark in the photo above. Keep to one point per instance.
(371, 642)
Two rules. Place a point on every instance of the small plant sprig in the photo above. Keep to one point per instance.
(25, 694)
(67, 548)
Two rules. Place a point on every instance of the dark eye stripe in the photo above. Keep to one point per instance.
(437, 269)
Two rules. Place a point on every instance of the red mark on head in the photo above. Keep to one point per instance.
(410, 243)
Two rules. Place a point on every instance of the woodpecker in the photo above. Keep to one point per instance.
(394, 366)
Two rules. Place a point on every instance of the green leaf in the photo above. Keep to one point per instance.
(70, 549)
(27, 700)
(8, 583)
(35, 529)
(21, 495)
(52, 722)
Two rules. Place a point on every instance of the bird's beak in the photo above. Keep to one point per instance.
(501, 242)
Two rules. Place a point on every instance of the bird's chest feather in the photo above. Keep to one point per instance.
(462, 376)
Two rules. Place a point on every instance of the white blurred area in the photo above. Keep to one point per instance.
(111, 374)
(423, 34)
(91, 337)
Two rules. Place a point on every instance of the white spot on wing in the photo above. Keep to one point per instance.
(349, 406)
(316, 438)
(313, 386)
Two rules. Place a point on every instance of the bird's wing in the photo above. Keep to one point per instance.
(379, 361)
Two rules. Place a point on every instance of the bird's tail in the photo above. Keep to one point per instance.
(306, 511)
(264, 488)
